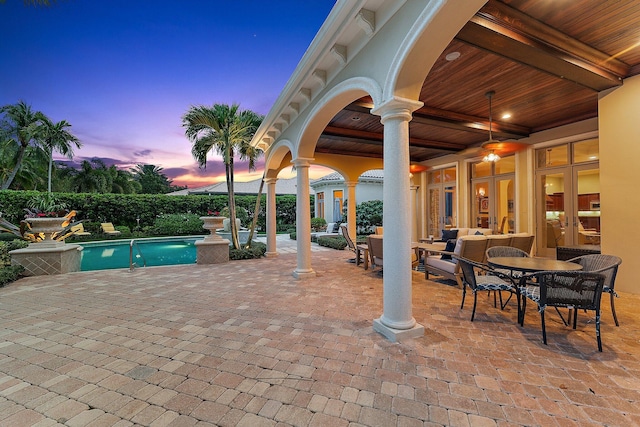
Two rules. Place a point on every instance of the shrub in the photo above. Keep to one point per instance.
(318, 224)
(369, 214)
(124, 209)
(338, 243)
(256, 250)
(10, 274)
(6, 247)
(293, 235)
(177, 225)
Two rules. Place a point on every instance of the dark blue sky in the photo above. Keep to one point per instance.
(123, 72)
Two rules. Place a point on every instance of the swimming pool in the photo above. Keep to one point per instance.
(105, 255)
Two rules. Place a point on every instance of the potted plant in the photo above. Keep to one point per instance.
(47, 220)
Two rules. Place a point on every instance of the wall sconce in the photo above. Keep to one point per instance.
(481, 191)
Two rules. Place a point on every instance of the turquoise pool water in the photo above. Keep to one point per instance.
(155, 252)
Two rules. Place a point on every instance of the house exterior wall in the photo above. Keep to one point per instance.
(620, 199)
(365, 191)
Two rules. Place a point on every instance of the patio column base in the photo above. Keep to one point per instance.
(396, 335)
(212, 251)
(304, 274)
(271, 254)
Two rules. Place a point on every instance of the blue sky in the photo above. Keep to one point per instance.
(123, 72)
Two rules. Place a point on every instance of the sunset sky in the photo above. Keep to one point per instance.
(123, 72)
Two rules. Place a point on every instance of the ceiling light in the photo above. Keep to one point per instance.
(355, 118)
(491, 157)
(506, 116)
(452, 56)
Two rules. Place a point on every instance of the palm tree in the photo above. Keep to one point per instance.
(54, 136)
(18, 126)
(227, 131)
(151, 179)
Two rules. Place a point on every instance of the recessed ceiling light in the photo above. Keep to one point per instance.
(355, 118)
(452, 56)
(593, 157)
(506, 116)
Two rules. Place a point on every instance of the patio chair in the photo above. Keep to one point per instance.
(568, 289)
(109, 229)
(350, 243)
(480, 277)
(506, 251)
(606, 265)
(375, 250)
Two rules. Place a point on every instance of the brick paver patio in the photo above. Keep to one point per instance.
(245, 344)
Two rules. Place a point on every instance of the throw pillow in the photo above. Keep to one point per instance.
(451, 245)
(449, 234)
(479, 233)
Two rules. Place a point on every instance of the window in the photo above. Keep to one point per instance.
(320, 205)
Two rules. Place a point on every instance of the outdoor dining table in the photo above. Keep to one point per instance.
(532, 264)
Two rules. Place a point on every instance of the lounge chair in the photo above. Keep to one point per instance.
(78, 230)
(351, 244)
(109, 229)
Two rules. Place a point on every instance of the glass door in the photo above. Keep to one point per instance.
(482, 211)
(442, 196)
(505, 216)
(494, 205)
(586, 219)
(567, 196)
(552, 203)
(493, 186)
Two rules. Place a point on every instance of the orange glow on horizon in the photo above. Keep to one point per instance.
(194, 181)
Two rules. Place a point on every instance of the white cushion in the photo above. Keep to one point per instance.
(442, 264)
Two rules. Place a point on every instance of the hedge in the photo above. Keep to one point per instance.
(124, 209)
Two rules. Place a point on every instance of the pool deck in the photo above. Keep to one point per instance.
(246, 344)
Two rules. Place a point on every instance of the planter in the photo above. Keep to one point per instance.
(212, 223)
(49, 228)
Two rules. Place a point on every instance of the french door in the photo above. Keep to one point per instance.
(494, 203)
(441, 199)
(567, 199)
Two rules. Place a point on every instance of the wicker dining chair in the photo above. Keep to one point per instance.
(569, 289)
(506, 251)
(606, 265)
(480, 277)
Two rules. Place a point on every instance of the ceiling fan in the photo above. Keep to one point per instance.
(493, 149)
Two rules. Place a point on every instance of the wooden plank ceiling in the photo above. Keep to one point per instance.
(545, 60)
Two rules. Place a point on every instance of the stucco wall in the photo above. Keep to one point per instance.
(619, 178)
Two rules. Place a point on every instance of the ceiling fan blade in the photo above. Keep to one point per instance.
(503, 148)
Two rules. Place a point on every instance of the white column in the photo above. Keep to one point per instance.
(351, 208)
(303, 220)
(271, 217)
(397, 320)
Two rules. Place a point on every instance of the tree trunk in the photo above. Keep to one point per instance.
(13, 173)
(50, 168)
(232, 204)
(255, 213)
